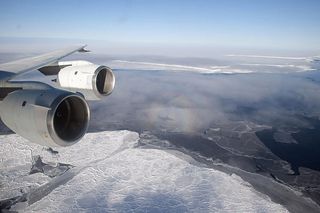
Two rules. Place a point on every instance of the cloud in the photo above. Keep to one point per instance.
(190, 102)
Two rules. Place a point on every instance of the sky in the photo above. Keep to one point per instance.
(263, 24)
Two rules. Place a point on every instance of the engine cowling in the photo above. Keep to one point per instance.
(48, 117)
(93, 81)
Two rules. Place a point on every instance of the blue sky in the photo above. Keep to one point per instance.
(277, 24)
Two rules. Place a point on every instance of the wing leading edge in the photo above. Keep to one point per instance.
(33, 63)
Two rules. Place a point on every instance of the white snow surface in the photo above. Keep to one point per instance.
(112, 174)
(141, 65)
(241, 68)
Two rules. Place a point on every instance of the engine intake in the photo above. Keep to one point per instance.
(48, 117)
(70, 118)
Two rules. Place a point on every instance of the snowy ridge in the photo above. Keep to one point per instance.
(112, 174)
(241, 68)
(298, 67)
(268, 57)
(122, 64)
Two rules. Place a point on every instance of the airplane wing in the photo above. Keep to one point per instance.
(18, 67)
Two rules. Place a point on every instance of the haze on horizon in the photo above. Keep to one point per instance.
(188, 28)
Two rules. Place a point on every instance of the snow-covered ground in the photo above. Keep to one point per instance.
(110, 172)
(140, 65)
(233, 68)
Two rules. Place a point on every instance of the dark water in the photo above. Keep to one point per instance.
(196, 143)
(304, 154)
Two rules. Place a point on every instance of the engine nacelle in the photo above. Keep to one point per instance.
(93, 81)
(48, 117)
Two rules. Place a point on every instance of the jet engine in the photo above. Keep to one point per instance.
(93, 81)
(50, 117)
